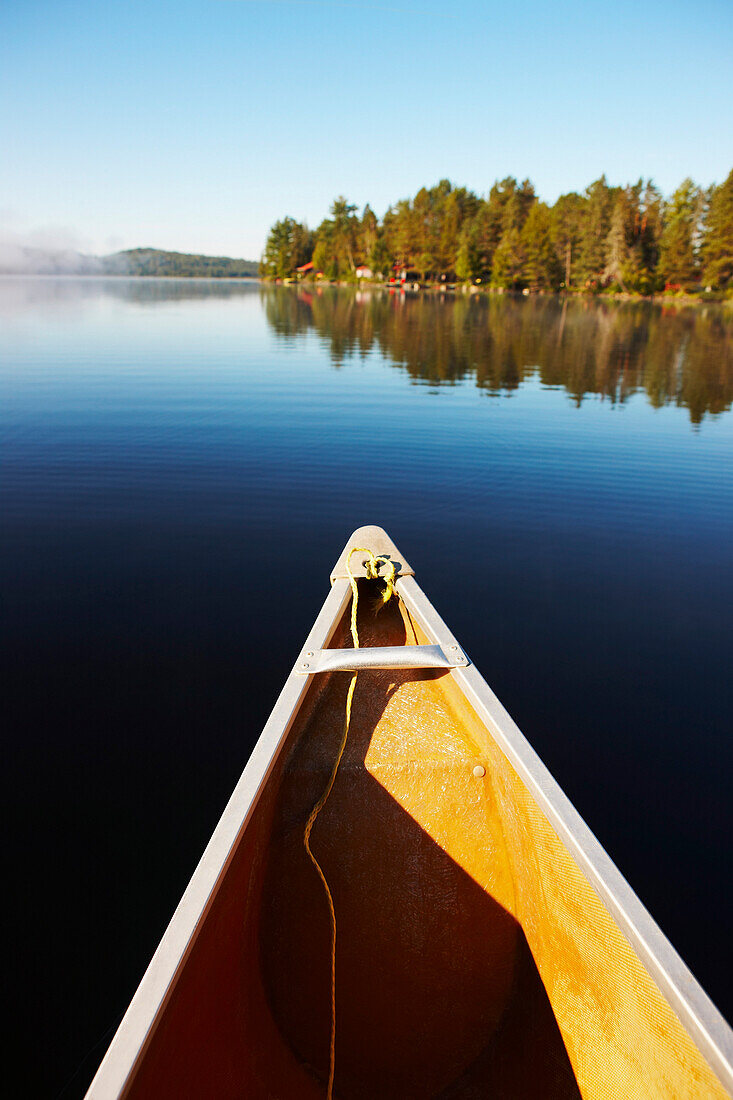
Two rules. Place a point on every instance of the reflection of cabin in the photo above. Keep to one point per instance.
(304, 269)
(364, 272)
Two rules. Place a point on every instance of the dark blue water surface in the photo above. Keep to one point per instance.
(182, 463)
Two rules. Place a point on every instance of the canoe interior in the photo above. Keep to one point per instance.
(473, 957)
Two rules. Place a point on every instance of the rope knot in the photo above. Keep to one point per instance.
(371, 567)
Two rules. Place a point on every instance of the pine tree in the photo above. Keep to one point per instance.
(617, 250)
(324, 253)
(541, 268)
(345, 231)
(467, 259)
(456, 208)
(649, 235)
(379, 258)
(718, 237)
(400, 233)
(507, 270)
(677, 260)
(422, 249)
(368, 233)
(288, 246)
(600, 200)
(568, 215)
(486, 234)
(643, 222)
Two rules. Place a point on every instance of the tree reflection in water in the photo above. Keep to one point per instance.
(677, 355)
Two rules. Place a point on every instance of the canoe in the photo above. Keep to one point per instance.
(482, 943)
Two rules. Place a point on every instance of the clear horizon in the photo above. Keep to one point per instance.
(192, 127)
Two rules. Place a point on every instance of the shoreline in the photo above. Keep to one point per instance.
(454, 289)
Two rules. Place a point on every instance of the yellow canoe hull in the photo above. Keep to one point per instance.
(486, 945)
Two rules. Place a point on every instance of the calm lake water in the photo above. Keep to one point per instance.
(183, 462)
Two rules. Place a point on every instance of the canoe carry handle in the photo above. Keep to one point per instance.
(391, 656)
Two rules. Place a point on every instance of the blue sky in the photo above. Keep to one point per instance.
(194, 124)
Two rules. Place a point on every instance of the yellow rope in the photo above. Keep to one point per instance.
(372, 571)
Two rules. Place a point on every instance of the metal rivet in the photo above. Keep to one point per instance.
(479, 771)
(454, 647)
(305, 665)
(309, 654)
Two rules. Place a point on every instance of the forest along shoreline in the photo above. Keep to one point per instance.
(624, 242)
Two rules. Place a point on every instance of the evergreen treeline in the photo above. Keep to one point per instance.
(621, 238)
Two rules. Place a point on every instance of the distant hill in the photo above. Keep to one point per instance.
(20, 260)
(152, 261)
